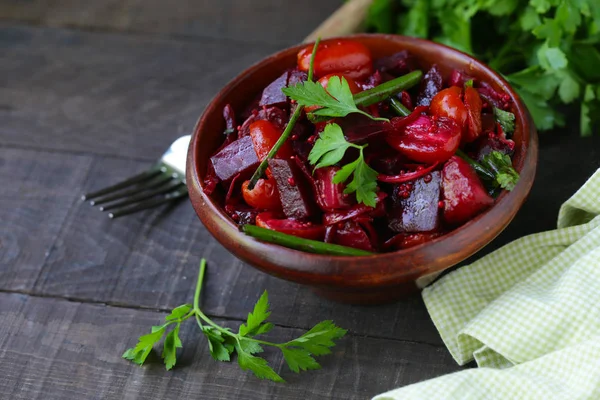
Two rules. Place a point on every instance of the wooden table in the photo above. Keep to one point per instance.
(91, 92)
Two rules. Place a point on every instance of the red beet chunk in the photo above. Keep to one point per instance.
(275, 115)
(464, 194)
(351, 234)
(493, 97)
(296, 76)
(331, 196)
(430, 85)
(357, 210)
(487, 144)
(295, 193)
(458, 78)
(307, 230)
(238, 157)
(272, 94)
(416, 205)
(397, 64)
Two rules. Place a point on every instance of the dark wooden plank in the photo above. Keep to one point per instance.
(279, 22)
(54, 349)
(108, 93)
(37, 192)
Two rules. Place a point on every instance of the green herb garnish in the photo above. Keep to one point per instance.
(505, 119)
(223, 342)
(329, 149)
(501, 165)
(336, 101)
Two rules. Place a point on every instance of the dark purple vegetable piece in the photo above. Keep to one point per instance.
(430, 85)
(351, 234)
(397, 64)
(331, 196)
(272, 94)
(493, 97)
(358, 128)
(375, 79)
(294, 192)
(229, 117)
(416, 209)
(238, 157)
(296, 76)
(210, 181)
(242, 214)
(488, 143)
(458, 78)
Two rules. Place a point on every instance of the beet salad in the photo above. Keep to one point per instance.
(346, 154)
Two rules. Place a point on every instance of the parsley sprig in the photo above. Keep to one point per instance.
(223, 342)
(329, 149)
(336, 101)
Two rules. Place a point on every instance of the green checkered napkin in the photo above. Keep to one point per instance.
(528, 313)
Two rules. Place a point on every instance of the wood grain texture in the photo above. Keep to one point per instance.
(268, 21)
(107, 93)
(55, 349)
(37, 192)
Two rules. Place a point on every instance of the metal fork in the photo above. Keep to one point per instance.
(162, 183)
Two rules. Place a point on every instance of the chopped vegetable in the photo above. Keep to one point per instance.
(358, 164)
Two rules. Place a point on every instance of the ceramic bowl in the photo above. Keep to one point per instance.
(369, 279)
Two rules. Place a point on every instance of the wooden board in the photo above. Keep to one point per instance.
(267, 21)
(56, 349)
(109, 94)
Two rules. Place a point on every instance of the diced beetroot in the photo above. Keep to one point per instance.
(294, 192)
(356, 210)
(210, 180)
(241, 214)
(490, 142)
(397, 64)
(330, 233)
(358, 128)
(296, 76)
(458, 78)
(351, 234)
(238, 157)
(464, 194)
(375, 79)
(415, 205)
(430, 85)
(331, 196)
(488, 122)
(272, 94)
(491, 96)
(386, 161)
(406, 100)
(306, 230)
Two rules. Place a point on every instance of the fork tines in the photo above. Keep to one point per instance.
(149, 189)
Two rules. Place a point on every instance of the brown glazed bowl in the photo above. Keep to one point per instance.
(366, 279)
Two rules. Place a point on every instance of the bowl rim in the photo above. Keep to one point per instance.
(342, 270)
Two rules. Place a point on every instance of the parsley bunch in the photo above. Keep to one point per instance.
(549, 50)
(223, 342)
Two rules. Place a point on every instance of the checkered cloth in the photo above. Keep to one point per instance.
(528, 313)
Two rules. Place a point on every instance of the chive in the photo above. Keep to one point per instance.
(294, 242)
(480, 169)
(387, 89)
(288, 129)
(400, 109)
